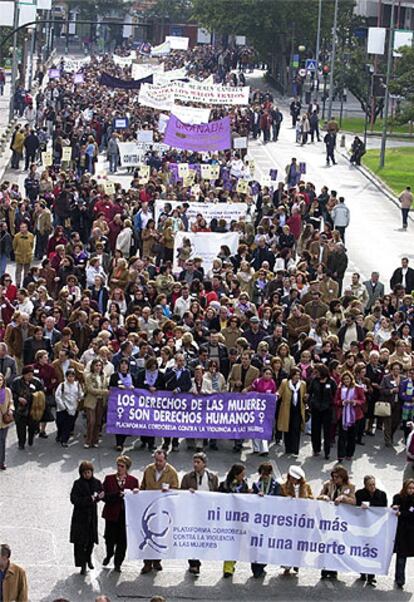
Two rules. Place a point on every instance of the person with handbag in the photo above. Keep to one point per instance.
(391, 414)
(6, 418)
(349, 400)
(24, 388)
(406, 396)
(96, 393)
(68, 396)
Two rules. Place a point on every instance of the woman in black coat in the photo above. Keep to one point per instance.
(86, 493)
(122, 379)
(403, 502)
(151, 379)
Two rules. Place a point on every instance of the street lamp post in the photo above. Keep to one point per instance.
(318, 46)
(387, 89)
(14, 60)
(333, 57)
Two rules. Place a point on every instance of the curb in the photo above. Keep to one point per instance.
(378, 183)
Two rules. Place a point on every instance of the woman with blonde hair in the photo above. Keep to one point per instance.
(245, 277)
(96, 394)
(120, 275)
(288, 361)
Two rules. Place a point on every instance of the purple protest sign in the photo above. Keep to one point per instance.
(166, 414)
(302, 168)
(213, 136)
(78, 78)
(2, 396)
(273, 174)
(53, 73)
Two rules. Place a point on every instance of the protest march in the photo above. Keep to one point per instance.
(163, 301)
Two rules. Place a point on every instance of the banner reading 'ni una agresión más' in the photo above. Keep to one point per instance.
(268, 530)
(168, 414)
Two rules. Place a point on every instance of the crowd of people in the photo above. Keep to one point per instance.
(94, 301)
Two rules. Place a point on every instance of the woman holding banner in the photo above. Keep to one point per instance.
(403, 503)
(114, 487)
(295, 487)
(122, 379)
(265, 485)
(235, 482)
(340, 490)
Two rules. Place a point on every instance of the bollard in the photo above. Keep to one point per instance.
(343, 141)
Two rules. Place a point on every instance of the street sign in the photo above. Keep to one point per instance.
(311, 65)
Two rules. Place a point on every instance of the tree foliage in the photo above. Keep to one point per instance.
(274, 27)
(92, 9)
(177, 11)
(402, 84)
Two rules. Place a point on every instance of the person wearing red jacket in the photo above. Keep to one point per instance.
(114, 487)
(349, 400)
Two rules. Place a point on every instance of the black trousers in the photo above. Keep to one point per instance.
(120, 440)
(346, 441)
(330, 154)
(341, 230)
(167, 441)
(257, 568)
(83, 553)
(115, 540)
(321, 421)
(405, 213)
(25, 427)
(292, 437)
(150, 441)
(65, 423)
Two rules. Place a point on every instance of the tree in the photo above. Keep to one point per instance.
(274, 27)
(91, 9)
(402, 84)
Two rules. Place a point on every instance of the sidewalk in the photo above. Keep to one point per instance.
(374, 239)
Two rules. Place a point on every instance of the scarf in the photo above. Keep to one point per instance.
(348, 413)
(151, 377)
(126, 379)
(295, 392)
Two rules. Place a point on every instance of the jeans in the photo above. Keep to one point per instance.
(113, 163)
(400, 563)
(41, 244)
(3, 264)
(405, 213)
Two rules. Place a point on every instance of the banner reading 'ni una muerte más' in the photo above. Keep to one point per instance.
(267, 530)
(169, 414)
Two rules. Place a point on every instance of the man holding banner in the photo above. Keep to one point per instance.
(159, 476)
(199, 479)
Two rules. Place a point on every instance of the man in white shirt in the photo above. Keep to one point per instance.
(183, 303)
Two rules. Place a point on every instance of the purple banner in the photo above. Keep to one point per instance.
(111, 81)
(213, 136)
(166, 414)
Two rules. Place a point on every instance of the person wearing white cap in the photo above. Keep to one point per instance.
(297, 487)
